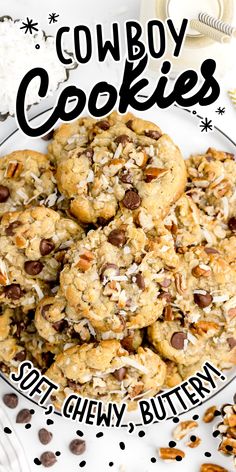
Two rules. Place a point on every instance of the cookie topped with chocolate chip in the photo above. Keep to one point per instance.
(108, 372)
(114, 275)
(130, 164)
(26, 178)
(32, 243)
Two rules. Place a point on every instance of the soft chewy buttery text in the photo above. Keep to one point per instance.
(92, 412)
(189, 88)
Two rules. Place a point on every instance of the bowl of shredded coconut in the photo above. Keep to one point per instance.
(19, 53)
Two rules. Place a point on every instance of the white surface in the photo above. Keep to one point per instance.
(138, 452)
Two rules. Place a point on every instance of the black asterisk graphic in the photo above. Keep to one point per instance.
(220, 110)
(29, 26)
(53, 18)
(206, 125)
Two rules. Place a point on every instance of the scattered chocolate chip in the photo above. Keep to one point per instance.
(232, 224)
(48, 459)
(60, 325)
(12, 226)
(177, 340)
(231, 342)
(120, 374)
(44, 436)
(103, 124)
(122, 139)
(13, 291)
(117, 237)
(203, 300)
(125, 177)
(153, 134)
(33, 267)
(24, 416)
(4, 193)
(77, 446)
(46, 246)
(48, 136)
(20, 356)
(131, 200)
(211, 250)
(140, 281)
(10, 400)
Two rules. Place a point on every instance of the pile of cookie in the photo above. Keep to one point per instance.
(117, 259)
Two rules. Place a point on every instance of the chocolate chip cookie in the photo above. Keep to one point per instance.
(114, 275)
(129, 165)
(32, 246)
(108, 372)
(26, 178)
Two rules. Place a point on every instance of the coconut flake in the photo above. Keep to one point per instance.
(133, 363)
(220, 298)
(39, 291)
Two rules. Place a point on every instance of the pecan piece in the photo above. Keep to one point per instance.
(14, 169)
(170, 453)
(184, 428)
(212, 468)
(209, 414)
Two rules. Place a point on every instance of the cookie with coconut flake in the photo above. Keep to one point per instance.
(32, 245)
(113, 276)
(130, 165)
(212, 186)
(107, 372)
(57, 322)
(19, 341)
(27, 178)
(79, 134)
(200, 306)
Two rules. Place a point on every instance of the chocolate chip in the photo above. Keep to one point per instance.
(122, 139)
(48, 358)
(44, 310)
(203, 300)
(4, 193)
(103, 124)
(13, 291)
(117, 237)
(129, 124)
(140, 281)
(211, 250)
(77, 446)
(131, 200)
(44, 436)
(153, 134)
(10, 400)
(120, 374)
(109, 269)
(48, 136)
(125, 177)
(232, 224)
(177, 340)
(166, 296)
(33, 267)
(46, 246)
(231, 342)
(24, 416)
(20, 356)
(59, 326)
(12, 226)
(165, 283)
(48, 459)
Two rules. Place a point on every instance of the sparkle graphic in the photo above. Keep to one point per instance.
(206, 125)
(220, 110)
(53, 18)
(29, 26)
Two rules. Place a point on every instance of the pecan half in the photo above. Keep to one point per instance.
(170, 453)
(183, 429)
(14, 169)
